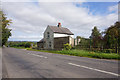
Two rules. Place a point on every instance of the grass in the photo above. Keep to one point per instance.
(19, 47)
(83, 53)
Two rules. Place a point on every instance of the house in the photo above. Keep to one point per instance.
(77, 40)
(40, 44)
(55, 37)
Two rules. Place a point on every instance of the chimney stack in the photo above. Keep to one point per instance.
(59, 24)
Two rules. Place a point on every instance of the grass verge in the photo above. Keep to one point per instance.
(19, 47)
(83, 53)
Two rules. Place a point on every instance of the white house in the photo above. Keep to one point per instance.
(55, 37)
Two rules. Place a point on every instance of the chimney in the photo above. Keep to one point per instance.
(59, 24)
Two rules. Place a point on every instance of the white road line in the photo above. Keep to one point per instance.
(37, 55)
(94, 69)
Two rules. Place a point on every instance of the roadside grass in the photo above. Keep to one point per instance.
(19, 47)
(49, 51)
(83, 53)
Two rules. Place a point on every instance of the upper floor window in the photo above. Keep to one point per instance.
(48, 35)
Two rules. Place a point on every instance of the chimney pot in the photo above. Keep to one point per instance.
(59, 24)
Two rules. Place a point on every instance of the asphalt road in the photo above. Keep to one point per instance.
(20, 63)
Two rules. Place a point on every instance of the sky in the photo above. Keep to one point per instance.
(30, 18)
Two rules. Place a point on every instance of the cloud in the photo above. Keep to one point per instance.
(31, 19)
(60, 0)
(43, 0)
(102, 0)
(18, 0)
(113, 8)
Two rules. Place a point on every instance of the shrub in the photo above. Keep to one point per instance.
(67, 46)
(34, 47)
(27, 45)
(109, 51)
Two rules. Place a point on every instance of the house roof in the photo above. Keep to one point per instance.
(42, 40)
(61, 30)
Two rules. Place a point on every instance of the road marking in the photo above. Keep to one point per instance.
(94, 69)
(37, 55)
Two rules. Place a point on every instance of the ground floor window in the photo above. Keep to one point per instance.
(49, 44)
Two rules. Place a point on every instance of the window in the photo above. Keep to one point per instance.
(48, 35)
(49, 44)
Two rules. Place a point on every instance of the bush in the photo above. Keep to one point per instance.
(34, 47)
(27, 45)
(73, 48)
(109, 51)
(67, 46)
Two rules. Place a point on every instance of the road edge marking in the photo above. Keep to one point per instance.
(37, 55)
(94, 69)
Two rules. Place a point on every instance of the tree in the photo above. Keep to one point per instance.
(117, 24)
(0, 29)
(96, 38)
(6, 33)
(84, 43)
(112, 36)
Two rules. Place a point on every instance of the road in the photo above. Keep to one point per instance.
(20, 63)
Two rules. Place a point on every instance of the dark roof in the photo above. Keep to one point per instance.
(61, 30)
(42, 40)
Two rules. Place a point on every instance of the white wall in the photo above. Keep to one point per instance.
(62, 35)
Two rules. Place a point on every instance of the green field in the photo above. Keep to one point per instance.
(83, 53)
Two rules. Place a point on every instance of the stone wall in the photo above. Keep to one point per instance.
(40, 45)
(49, 41)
